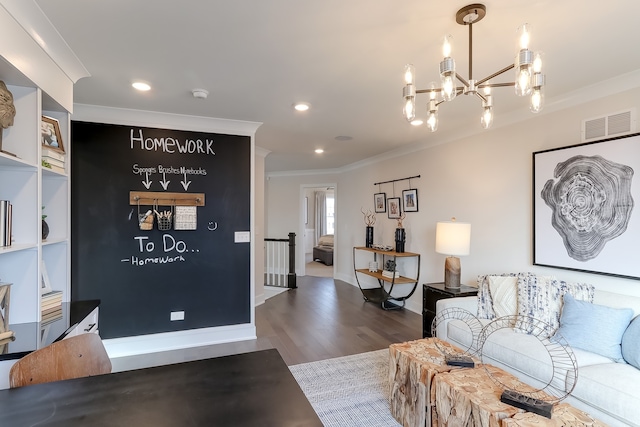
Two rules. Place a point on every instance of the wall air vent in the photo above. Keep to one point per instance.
(611, 125)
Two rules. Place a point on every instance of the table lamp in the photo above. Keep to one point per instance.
(452, 239)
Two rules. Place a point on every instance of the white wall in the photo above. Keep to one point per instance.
(485, 179)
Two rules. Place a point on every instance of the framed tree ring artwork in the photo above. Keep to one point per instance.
(584, 217)
(393, 208)
(380, 202)
(50, 134)
(410, 200)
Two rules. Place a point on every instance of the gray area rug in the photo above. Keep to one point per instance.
(348, 391)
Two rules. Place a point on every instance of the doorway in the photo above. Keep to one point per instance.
(318, 230)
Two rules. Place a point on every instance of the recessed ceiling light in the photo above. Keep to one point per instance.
(417, 122)
(141, 86)
(319, 151)
(301, 106)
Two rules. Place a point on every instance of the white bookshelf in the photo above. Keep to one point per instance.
(40, 76)
(29, 186)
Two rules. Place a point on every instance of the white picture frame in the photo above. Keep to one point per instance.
(45, 284)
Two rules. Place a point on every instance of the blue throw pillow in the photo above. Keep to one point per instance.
(631, 343)
(595, 328)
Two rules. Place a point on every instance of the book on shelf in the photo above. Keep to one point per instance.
(52, 295)
(53, 161)
(6, 210)
(56, 168)
(51, 317)
(390, 274)
(50, 300)
(51, 309)
(54, 154)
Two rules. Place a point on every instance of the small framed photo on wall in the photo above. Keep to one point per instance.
(393, 208)
(50, 134)
(380, 202)
(410, 200)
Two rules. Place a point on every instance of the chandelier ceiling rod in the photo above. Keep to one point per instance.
(529, 78)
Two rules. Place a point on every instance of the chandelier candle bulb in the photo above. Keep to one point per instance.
(537, 82)
(446, 46)
(524, 32)
(409, 74)
(409, 109)
(409, 93)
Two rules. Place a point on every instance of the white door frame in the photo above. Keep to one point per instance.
(300, 255)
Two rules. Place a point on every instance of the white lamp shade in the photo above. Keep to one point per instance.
(453, 238)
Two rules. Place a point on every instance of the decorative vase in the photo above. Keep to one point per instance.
(45, 230)
(400, 239)
(369, 237)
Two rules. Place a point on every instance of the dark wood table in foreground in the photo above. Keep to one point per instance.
(251, 389)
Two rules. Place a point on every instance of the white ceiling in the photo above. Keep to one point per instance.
(344, 57)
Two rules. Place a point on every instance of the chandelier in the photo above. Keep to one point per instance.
(529, 80)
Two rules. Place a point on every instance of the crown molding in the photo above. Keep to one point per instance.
(130, 117)
(36, 24)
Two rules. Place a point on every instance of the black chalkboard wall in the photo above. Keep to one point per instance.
(142, 276)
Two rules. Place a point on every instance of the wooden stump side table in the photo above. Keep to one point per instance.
(471, 398)
(563, 415)
(412, 368)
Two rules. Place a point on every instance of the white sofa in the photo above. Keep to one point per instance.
(605, 389)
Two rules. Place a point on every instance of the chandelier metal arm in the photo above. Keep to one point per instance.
(459, 90)
(481, 96)
(497, 73)
(498, 85)
(462, 80)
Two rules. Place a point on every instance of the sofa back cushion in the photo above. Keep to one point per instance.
(612, 299)
(593, 327)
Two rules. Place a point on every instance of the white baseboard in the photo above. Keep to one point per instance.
(166, 341)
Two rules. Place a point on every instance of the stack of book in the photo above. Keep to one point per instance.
(6, 209)
(390, 274)
(53, 159)
(51, 307)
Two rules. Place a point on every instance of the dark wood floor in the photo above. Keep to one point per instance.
(320, 319)
(324, 318)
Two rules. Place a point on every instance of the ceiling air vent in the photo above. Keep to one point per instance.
(611, 125)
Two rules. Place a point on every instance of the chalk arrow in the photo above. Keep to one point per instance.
(147, 183)
(185, 183)
(164, 181)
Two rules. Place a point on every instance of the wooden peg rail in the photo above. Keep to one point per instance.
(165, 199)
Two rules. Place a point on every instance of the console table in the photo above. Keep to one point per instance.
(431, 293)
(380, 294)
